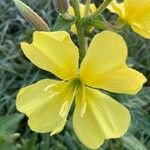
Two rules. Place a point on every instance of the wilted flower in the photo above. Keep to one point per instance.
(62, 5)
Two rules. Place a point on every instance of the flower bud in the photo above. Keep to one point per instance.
(15, 136)
(31, 16)
(62, 6)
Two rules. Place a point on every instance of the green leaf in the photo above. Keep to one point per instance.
(140, 120)
(8, 125)
(69, 141)
(138, 106)
(62, 24)
(98, 24)
(7, 146)
(132, 143)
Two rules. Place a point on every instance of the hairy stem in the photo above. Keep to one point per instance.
(101, 8)
(88, 2)
(81, 38)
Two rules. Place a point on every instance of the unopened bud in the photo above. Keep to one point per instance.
(31, 16)
(15, 136)
(62, 6)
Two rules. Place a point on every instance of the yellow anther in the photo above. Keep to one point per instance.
(64, 109)
(49, 87)
(83, 109)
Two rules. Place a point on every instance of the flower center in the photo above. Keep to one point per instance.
(76, 82)
(80, 89)
(73, 87)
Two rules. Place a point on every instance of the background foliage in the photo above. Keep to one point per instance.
(16, 71)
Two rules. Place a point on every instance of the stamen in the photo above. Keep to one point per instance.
(50, 86)
(64, 109)
(53, 94)
(83, 109)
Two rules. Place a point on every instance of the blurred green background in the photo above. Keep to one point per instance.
(16, 71)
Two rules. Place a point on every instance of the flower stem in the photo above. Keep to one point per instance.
(75, 5)
(88, 2)
(81, 38)
(101, 8)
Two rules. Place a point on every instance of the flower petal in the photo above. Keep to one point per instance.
(138, 16)
(136, 13)
(104, 118)
(135, 6)
(46, 103)
(123, 80)
(117, 8)
(140, 23)
(92, 8)
(106, 52)
(54, 52)
(141, 30)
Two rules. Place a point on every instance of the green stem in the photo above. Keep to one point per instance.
(81, 38)
(88, 2)
(101, 8)
(75, 5)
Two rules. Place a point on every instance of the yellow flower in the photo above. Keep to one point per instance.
(97, 116)
(136, 13)
(92, 9)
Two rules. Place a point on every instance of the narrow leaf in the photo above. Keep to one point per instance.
(8, 125)
(132, 143)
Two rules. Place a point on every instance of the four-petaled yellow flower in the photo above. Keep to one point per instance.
(92, 9)
(134, 12)
(96, 116)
